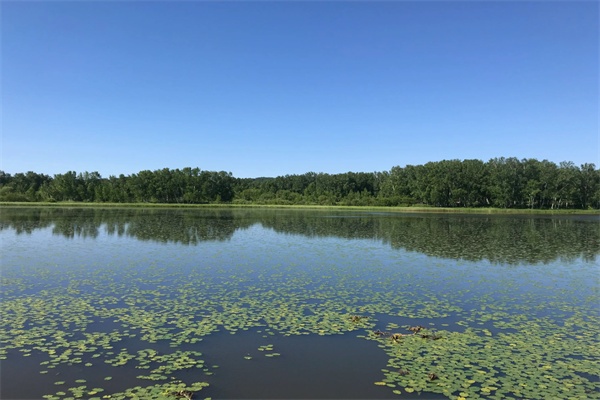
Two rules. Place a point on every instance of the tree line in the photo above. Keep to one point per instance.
(500, 182)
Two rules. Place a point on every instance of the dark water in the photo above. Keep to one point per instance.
(283, 304)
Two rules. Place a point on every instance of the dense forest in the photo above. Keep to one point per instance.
(500, 182)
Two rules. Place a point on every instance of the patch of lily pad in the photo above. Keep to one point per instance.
(164, 391)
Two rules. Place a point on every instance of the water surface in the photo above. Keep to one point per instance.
(245, 303)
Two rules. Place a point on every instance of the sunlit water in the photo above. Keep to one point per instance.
(285, 303)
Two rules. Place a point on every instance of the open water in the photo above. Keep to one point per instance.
(279, 303)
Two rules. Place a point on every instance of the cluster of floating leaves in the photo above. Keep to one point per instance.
(164, 391)
(537, 360)
(492, 339)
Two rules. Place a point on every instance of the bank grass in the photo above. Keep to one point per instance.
(396, 209)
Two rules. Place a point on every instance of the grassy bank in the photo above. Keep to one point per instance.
(411, 209)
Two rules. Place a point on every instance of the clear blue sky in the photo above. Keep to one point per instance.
(274, 88)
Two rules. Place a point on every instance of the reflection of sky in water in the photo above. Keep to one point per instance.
(256, 251)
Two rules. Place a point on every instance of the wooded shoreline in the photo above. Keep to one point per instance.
(397, 209)
(500, 183)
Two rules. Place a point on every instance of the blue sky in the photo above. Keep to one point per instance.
(275, 88)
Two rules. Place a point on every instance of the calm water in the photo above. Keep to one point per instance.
(245, 303)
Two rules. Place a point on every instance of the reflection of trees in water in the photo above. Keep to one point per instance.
(79, 228)
(163, 225)
(183, 227)
(317, 224)
(24, 225)
(502, 239)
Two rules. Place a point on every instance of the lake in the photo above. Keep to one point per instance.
(226, 303)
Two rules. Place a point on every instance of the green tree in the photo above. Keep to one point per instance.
(589, 185)
(506, 182)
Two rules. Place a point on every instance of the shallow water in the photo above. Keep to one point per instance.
(262, 303)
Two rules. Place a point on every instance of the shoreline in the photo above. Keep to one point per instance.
(407, 209)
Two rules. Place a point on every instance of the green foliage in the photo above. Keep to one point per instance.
(501, 182)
